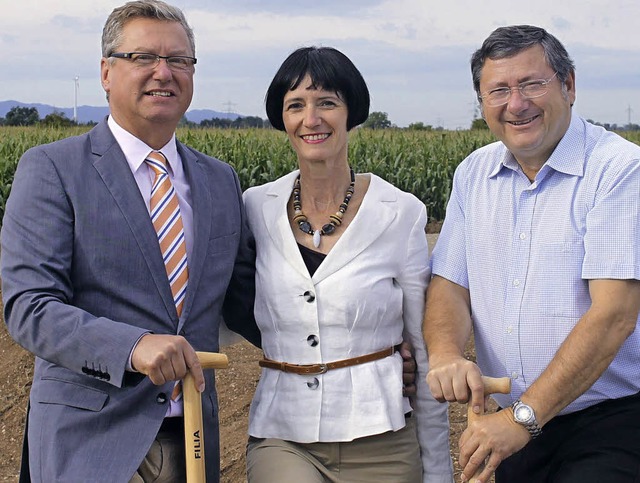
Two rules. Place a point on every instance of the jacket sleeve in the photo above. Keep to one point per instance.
(240, 297)
(37, 278)
(432, 416)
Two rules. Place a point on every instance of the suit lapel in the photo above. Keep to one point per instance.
(111, 165)
(377, 211)
(274, 211)
(201, 200)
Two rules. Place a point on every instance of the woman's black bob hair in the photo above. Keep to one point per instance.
(329, 69)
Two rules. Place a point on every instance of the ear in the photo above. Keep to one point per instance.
(105, 78)
(569, 86)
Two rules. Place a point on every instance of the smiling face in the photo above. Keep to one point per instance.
(529, 128)
(149, 102)
(316, 122)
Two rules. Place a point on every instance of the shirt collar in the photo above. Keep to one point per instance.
(136, 150)
(568, 157)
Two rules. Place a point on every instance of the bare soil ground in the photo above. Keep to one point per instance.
(235, 386)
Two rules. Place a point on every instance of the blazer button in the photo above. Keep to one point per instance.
(309, 296)
(161, 398)
(313, 383)
(313, 340)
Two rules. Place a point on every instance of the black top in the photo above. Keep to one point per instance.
(312, 259)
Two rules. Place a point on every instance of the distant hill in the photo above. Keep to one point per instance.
(97, 113)
(199, 115)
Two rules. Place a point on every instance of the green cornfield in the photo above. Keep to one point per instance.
(420, 162)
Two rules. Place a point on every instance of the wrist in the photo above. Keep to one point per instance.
(524, 415)
(444, 357)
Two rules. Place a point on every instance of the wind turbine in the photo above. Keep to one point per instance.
(75, 99)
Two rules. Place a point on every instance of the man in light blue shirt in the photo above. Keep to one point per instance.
(540, 255)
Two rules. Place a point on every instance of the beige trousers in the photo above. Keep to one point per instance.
(165, 460)
(387, 457)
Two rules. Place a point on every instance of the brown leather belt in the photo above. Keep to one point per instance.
(315, 369)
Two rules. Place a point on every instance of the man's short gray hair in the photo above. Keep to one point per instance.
(154, 9)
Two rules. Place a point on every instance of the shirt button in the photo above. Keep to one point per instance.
(516, 283)
(523, 236)
(161, 398)
(509, 330)
(313, 340)
(514, 375)
(309, 296)
(313, 383)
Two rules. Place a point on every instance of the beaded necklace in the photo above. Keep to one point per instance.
(334, 220)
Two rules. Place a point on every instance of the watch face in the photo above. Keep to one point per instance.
(523, 413)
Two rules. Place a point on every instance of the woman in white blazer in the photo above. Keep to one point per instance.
(341, 272)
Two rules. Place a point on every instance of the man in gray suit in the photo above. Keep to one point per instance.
(84, 284)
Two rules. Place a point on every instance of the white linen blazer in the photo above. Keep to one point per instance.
(366, 294)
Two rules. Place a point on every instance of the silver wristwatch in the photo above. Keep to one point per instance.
(524, 415)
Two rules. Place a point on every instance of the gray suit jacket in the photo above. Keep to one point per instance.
(83, 279)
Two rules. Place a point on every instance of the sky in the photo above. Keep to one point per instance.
(414, 54)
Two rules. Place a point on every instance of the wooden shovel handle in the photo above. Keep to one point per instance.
(213, 360)
(193, 426)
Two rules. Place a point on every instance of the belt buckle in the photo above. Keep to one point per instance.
(322, 369)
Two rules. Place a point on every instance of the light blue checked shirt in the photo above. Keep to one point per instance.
(526, 252)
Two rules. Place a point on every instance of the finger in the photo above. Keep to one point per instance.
(474, 382)
(409, 390)
(460, 389)
(179, 366)
(159, 369)
(449, 392)
(489, 469)
(156, 376)
(466, 448)
(405, 350)
(408, 360)
(171, 360)
(408, 378)
(474, 465)
(435, 386)
(409, 366)
(483, 473)
(167, 371)
(195, 368)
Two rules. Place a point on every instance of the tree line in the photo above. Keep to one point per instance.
(29, 116)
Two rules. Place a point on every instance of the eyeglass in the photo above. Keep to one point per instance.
(147, 60)
(529, 90)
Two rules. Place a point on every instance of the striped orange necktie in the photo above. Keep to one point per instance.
(166, 219)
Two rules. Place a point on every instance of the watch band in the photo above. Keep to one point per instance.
(531, 424)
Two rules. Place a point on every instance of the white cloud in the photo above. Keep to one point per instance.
(413, 53)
